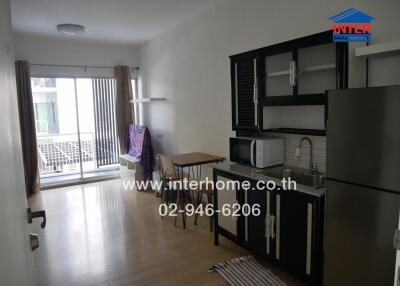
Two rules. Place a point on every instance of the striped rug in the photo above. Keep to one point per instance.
(246, 271)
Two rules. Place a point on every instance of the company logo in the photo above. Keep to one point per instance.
(352, 25)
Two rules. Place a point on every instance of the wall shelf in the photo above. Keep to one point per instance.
(148, 99)
(378, 49)
(278, 73)
(319, 68)
(309, 69)
(312, 132)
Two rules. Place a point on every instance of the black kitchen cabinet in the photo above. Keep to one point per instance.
(255, 225)
(293, 232)
(230, 226)
(288, 232)
(299, 232)
(296, 72)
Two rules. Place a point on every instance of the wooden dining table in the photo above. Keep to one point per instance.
(195, 158)
(193, 161)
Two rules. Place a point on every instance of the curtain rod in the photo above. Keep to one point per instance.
(85, 67)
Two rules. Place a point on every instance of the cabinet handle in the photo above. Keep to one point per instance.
(236, 95)
(278, 228)
(294, 68)
(255, 99)
(292, 73)
(255, 95)
(309, 237)
(233, 204)
(246, 218)
(267, 227)
(272, 222)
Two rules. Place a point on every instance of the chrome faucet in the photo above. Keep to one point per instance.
(311, 168)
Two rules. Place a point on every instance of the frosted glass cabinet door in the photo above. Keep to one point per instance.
(227, 197)
(316, 69)
(277, 72)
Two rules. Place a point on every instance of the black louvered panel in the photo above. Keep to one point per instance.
(107, 151)
(245, 89)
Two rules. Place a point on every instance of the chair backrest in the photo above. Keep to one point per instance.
(207, 172)
(167, 166)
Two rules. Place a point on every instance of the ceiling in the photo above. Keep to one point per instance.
(121, 21)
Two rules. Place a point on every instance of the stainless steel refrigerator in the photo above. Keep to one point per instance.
(362, 214)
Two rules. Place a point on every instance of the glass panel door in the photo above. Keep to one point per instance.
(317, 69)
(277, 72)
(56, 126)
(99, 141)
(75, 127)
(86, 124)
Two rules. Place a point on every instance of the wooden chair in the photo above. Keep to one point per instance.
(204, 189)
(168, 174)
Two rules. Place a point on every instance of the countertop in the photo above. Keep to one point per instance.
(253, 173)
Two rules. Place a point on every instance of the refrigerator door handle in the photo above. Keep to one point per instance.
(255, 94)
(267, 220)
(236, 95)
(396, 240)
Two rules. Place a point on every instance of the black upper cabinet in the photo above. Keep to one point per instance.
(245, 107)
(297, 72)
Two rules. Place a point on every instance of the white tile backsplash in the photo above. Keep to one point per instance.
(292, 141)
(302, 117)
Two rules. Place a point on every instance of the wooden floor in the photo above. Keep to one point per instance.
(100, 234)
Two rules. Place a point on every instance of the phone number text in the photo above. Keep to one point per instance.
(234, 210)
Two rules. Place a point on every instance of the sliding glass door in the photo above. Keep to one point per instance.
(75, 127)
(97, 124)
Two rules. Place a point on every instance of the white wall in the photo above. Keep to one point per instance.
(43, 50)
(16, 261)
(189, 64)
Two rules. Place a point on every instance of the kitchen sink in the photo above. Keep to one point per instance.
(300, 176)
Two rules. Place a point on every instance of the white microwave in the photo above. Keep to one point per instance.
(259, 152)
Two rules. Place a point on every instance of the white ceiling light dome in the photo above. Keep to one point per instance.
(70, 29)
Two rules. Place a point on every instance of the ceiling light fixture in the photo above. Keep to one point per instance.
(70, 29)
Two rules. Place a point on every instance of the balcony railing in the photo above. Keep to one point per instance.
(59, 153)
